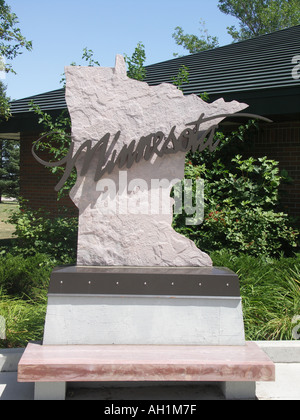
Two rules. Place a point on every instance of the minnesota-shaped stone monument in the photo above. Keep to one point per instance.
(129, 142)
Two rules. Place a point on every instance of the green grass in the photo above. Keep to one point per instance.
(24, 320)
(23, 297)
(270, 291)
(6, 230)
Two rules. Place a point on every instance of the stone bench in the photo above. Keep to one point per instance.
(236, 367)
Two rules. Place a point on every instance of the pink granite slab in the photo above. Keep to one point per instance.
(144, 363)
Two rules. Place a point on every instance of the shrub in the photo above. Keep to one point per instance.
(39, 232)
(241, 208)
(253, 231)
(25, 277)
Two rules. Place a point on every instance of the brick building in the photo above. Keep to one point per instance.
(263, 72)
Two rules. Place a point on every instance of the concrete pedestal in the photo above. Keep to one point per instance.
(162, 306)
(144, 320)
(50, 391)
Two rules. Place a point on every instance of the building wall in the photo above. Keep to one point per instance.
(281, 141)
(36, 182)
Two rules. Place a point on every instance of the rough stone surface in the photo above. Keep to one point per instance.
(105, 100)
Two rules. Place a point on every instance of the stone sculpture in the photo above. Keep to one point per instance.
(125, 133)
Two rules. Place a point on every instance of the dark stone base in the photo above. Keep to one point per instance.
(166, 281)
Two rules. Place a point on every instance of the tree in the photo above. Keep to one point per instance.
(11, 40)
(256, 17)
(260, 17)
(135, 63)
(4, 103)
(9, 168)
(182, 77)
(193, 43)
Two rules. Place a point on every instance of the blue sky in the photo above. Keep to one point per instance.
(60, 29)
